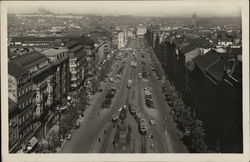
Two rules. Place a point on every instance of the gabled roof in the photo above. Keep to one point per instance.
(192, 54)
(204, 61)
(217, 69)
(195, 43)
(15, 70)
(30, 59)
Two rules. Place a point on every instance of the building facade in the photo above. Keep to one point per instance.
(35, 95)
(20, 105)
(59, 57)
(141, 30)
(122, 40)
(77, 65)
(208, 81)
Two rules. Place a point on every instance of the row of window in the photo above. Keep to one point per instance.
(13, 134)
(26, 103)
(25, 116)
(33, 44)
(71, 62)
(13, 121)
(23, 80)
(23, 91)
(26, 131)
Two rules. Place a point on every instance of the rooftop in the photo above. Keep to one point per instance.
(54, 51)
(204, 61)
(70, 44)
(29, 60)
(32, 38)
(83, 40)
(217, 69)
(194, 43)
(76, 48)
(15, 70)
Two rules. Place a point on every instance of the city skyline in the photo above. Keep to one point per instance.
(148, 8)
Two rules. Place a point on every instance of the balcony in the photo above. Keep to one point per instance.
(72, 65)
(74, 79)
(73, 72)
(74, 85)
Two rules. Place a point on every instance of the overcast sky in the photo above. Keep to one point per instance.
(136, 8)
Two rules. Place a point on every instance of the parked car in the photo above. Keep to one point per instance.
(68, 136)
(115, 118)
(111, 79)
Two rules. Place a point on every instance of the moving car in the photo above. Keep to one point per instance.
(116, 116)
(129, 83)
(139, 75)
(132, 109)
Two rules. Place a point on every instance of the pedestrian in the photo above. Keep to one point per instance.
(104, 131)
(99, 139)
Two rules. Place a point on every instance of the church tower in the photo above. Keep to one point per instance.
(194, 21)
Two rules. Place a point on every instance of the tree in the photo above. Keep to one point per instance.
(198, 137)
(187, 118)
(43, 146)
(53, 137)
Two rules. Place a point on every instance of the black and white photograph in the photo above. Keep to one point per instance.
(125, 77)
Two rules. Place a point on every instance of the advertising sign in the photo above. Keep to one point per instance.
(12, 88)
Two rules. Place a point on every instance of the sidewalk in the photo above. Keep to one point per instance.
(167, 84)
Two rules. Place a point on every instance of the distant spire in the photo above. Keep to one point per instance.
(194, 21)
(194, 16)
